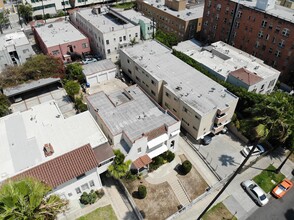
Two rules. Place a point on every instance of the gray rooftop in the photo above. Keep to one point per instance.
(17, 39)
(96, 67)
(104, 22)
(278, 11)
(191, 86)
(11, 91)
(188, 14)
(129, 111)
(134, 16)
(60, 32)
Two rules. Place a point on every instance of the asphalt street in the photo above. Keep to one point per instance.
(276, 209)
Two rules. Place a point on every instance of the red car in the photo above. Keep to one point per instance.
(282, 188)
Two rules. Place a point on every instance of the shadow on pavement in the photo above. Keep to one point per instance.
(227, 160)
(289, 214)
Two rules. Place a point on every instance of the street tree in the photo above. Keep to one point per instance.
(28, 199)
(74, 71)
(119, 168)
(72, 88)
(3, 20)
(26, 12)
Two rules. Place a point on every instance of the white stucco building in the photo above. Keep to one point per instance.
(232, 65)
(106, 31)
(99, 72)
(67, 154)
(15, 49)
(135, 124)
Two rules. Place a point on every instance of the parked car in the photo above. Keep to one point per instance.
(255, 192)
(206, 140)
(258, 150)
(89, 60)
(282, 188)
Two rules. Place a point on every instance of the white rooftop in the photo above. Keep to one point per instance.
(60, 32)
(17, 39)
(129, 111)
(96, 67)
(24, 134)
(191, 86)
(187, 14)
(223, 59)
(134, 16)
(278, 11)
(105, 22)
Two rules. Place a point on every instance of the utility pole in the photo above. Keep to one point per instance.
(228, 183)
(43, 11)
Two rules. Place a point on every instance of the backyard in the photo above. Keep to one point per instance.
(160, 201)
(219, 211)
(102, 213)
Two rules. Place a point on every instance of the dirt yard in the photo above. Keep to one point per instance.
(193, 182)
(219, 211)
(160, 202)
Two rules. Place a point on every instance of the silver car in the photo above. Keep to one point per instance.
(256, 193)
(257, 151)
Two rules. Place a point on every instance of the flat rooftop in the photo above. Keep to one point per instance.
(130, 111)
(96, 67)
(188, 14)
(27, 132)
(105, 22)
(191, 86)
(60, 32)
(278, 11)
(17, 39)
(223, 59)
(134, 16)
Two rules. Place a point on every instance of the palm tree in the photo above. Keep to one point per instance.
(28, 199)
(119, 168)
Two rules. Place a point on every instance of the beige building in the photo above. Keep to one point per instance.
(202, 105)
(287, 3)
(178, 17)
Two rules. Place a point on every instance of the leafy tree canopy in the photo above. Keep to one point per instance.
(167, 39)
(119, 168)
(28, 199)
(72, 88)
(3, 20)
(4, 105)
(74, 71)
(26, 11)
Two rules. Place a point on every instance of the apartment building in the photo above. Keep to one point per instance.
(67, 154)
(15, 49)
(135, 124)
(260, 28)
(180, 17)
(287, 3)
(232, 65)
(61, 39)
(200, 103)
(106, 31)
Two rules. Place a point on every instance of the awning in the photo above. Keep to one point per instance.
(158, 151)
(175, 133)
(142, 161)
(156, 141)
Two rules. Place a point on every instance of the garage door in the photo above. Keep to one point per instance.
(92, 80)
(103, 77)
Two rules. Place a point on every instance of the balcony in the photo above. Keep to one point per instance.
(220, 118)
(223, 111)
(217, 128)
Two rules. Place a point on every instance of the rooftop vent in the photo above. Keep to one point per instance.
(50, 25)
(48, 150)
(178, 88)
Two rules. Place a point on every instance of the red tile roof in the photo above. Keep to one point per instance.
(156, 132)
(246, 76)
(142, 161)
(63, 168)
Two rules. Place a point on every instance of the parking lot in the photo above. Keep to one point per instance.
(59, 95)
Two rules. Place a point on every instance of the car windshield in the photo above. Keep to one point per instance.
(262, 197)
(282, 187)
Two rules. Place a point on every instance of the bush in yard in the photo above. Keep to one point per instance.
(142, 191)
(169, 156)
(88, 198)
(186, 167)
(100, 193)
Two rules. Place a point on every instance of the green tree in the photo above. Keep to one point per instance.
(119, 168)
(4, 105)
(72, 88)
(74, 71)
(186, 167)
(29, 199)
(3, 20)
(142, 191)
(26, 12)
(167, 39)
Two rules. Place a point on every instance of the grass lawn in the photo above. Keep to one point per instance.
(265, 177)
(127, 5)
(219, 211)
(102, 213)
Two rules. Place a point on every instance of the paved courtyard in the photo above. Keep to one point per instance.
(59, 95)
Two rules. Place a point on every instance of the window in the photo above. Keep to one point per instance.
(260, 34)
(167, 105)
(277, 29)
(108, 51)
(85, 186)
(139, 150)
(271, 83)
(128, 61)
(270, 50)
(267, 37)
(91, 183)
(78, 190)
(174, 110)
(167, 94)
(125, 38)
(185, 122)
(107, 42)
(185, 110)
(285, 32)
(130, 72)
(270, 26)
(172, 144)
(120, 39)
(278, 53)
(136, 35)
(282, 44)
(195, 128)
(257, 44)
(152, 82)
(84, 45)
(114, 39)
(239, 14)
(152, 92)
(263, 23)
(218, 7)
(55, 52)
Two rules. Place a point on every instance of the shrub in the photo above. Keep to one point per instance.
(88, 198)
(142, 191)
(169, 156)
(100, 193)
(159, 160)
(186, 167)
